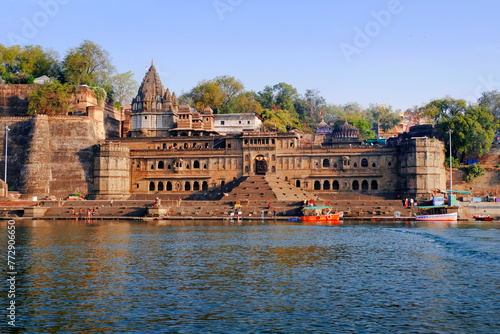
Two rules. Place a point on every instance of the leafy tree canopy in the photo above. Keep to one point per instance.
(20, 65)
(50, 99)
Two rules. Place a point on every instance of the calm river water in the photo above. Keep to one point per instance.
(255, 277)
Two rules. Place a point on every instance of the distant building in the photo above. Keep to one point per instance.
(237, 123)
(42, 80)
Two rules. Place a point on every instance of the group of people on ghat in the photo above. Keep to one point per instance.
(409, 202)
(89, 213)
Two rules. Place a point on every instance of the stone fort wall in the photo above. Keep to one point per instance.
(49, 155)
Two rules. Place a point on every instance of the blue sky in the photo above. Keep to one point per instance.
(397, 52)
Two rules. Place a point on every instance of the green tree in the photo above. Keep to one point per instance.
(473, 126)
(491, 102)
(125, 87)
(244, 103)
(217, 94)
(281, 96)
(88, 64)
(50, 99)
(22, 64)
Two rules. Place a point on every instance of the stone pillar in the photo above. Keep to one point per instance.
(112, 171)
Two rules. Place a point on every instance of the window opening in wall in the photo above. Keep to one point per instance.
(169, 186)
(152, 166)
(222, 183)
(374, 165)
(335, 185)
(326, 163)
(297, 183)
(196, 186)
(364, 185)
(355, 185)
(187, 186)
(355, 164)
(196, 164)
(160, 186)
(151, 186)
(374, 185)
(364, 163)
(317, 185)
(204, 185)
(326, 185)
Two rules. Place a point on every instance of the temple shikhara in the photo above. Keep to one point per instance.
(175, 149)
(156, 112)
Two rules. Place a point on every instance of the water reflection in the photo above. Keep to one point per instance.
(258, 277)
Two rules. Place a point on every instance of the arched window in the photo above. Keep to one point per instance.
(335, 185)
(364, 163)
(364, 185)
(326, 185)
(273, 158)
(374, 185)
(374, 165)
(228, 146)
(187, 186)
(355, 185)
(160, 186)
(317, 185)
(204, 185)
(247, 169)
(164, 146)
(169, 167)
(273, 169)
(152, 167)
(326, 163)
(355, 164)
(335, 165)
(204, 166)
(169, 186)
(151, 186)
(196, 164)
(196, 186)
(297, 183)
(161, 165)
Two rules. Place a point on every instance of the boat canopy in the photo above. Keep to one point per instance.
(458, 191)
(432, 207)
(316, 207)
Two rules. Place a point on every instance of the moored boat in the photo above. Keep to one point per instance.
(486, 218)
(436, 213)
(313, 214)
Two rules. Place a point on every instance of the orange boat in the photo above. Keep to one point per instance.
(313, 214)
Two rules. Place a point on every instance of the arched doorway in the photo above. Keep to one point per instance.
(260, 165)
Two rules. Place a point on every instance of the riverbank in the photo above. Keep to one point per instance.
(147, 210)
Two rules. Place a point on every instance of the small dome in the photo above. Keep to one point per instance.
(323, 128)
(346, 130)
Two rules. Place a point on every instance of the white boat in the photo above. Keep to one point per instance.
(436, 213)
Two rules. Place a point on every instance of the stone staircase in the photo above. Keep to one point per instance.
(253, 188)
(286, 192)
